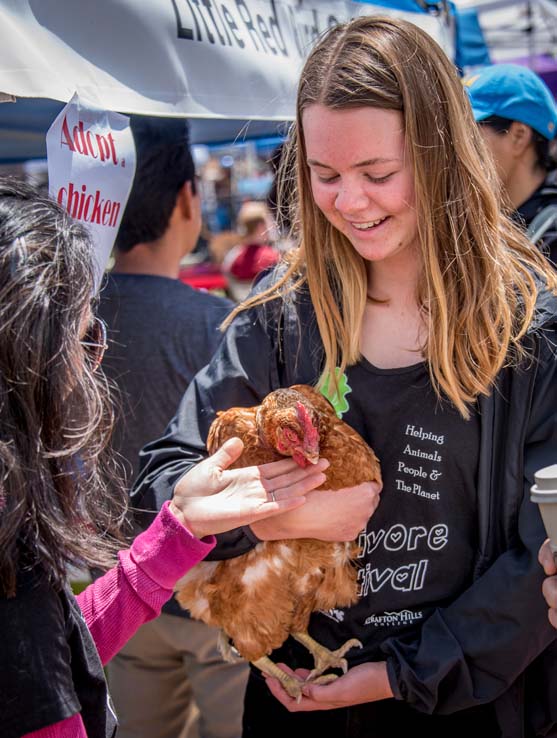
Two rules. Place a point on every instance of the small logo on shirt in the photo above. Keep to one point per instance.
(391, 619)
(333, 614)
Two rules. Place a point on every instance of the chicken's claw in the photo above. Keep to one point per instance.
(324, 679)
(324, 658)
(290, 684)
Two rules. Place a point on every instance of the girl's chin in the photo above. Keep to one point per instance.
(381, 252)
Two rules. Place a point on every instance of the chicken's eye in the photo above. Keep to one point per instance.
(291, 436)
(287, 440)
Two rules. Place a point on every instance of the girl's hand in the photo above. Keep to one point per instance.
(549, 589)
(328, 515)
(363, 683)
(211, 499)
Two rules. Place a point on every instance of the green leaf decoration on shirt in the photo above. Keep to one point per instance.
(337, 399)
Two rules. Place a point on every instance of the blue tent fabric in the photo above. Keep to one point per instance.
(471, 48)
(23, 127)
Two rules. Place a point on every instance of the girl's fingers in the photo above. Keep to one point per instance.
(228, 453)
(276, 468)
(302, 487)
(296, 475)
(276, 474)
(269, 509)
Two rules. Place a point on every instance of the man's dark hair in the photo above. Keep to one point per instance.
(544, 156)
(164, 163)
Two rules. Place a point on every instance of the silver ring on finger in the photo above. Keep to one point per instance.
(272, 496)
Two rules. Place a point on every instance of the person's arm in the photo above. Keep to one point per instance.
(134, 591)
(548, 561)
(211, 500)
(328, 515)
(71, 727)
(363, 683)
(472, 651)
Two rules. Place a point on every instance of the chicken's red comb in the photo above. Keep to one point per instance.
(311, 433)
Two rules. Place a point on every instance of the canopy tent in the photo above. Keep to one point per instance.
(521, 31)
(230, 66)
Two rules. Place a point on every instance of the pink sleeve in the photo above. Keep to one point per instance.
(134, 591)
(72, 727)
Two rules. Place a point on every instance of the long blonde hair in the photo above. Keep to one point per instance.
(477, 287)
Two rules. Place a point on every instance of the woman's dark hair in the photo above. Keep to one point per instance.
(545, 158)
(55, 418)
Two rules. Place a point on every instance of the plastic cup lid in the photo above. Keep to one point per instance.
(543, 496)
(545, 489)
(546, 478)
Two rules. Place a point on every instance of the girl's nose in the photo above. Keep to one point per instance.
(350, 199)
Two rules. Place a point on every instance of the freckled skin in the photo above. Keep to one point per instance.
(257, 605)
(368, 179)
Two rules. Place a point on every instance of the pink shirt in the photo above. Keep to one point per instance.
(132, 593)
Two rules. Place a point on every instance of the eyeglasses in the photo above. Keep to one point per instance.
(95, 342)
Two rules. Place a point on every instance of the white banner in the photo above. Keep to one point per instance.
(194, 58)
(91, 165)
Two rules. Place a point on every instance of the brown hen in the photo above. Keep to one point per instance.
(260, 598)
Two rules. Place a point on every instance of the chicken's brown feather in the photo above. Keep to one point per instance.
(262, 596)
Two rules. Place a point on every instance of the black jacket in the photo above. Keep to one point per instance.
(545, 195)
(493, 643)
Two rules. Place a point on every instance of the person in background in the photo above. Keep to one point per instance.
(517, 115)
(170, 679)
(220, 244)
(254, 253)
(60, 504)
(424, 313)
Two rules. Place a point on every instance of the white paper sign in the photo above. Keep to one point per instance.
(91, 165)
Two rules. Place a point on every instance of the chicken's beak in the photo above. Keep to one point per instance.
(311, 456)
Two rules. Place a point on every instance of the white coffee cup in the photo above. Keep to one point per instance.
(544, 493)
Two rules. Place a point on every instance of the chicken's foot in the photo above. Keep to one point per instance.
(292, 685)
(324, 658)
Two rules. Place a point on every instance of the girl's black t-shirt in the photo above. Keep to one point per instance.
(49, 666)
(418, 550)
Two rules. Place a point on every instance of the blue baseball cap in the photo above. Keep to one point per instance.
(513, 92)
